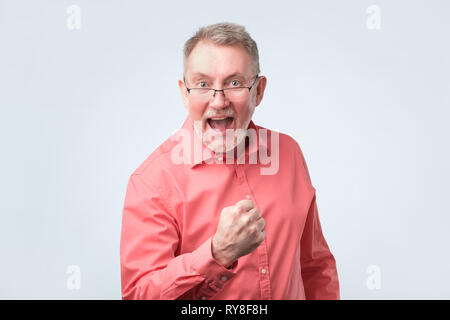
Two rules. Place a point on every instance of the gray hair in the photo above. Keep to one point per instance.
(224, 33)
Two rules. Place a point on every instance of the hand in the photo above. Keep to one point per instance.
(240, 231)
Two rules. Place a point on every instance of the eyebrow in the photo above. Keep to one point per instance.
(203, 75)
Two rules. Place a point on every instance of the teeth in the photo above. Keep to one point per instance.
(218, 118)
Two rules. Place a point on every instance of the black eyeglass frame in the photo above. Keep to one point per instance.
(223, 90)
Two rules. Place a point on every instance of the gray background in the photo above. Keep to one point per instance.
(81, 109)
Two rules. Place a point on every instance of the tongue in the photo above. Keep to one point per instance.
(221, 125)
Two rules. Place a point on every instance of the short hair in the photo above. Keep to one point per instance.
(224, 33)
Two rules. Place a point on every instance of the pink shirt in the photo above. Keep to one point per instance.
(172, 209)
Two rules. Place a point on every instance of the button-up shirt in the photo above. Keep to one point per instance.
(171, 211)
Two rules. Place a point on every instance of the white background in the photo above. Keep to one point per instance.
(81, 109)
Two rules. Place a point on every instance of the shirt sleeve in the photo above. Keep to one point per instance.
(150, 268)
(319, 273)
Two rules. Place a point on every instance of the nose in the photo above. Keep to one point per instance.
(218, 101)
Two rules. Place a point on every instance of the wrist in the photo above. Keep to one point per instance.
(220, 256)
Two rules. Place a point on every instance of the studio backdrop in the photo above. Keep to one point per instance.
(88, 89)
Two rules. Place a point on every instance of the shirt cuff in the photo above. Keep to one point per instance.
(214, 273)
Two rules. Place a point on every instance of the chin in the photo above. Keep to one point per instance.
(218, 142)
(224, 144)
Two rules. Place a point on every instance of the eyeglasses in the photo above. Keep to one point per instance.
(232, 93)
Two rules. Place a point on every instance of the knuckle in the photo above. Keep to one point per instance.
(252, 230)
(263, 222)
(245, 219)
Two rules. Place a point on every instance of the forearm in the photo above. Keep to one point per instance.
(320, 279)
(194, 275)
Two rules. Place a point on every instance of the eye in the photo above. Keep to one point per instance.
(202, 84)
(235, 83)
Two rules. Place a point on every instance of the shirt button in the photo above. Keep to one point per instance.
(263, 271)
(203, 298)
(248, 196)
(224, 278)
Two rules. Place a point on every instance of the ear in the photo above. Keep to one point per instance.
(184, 93)
(262, 81)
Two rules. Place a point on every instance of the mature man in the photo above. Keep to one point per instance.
(208, 215)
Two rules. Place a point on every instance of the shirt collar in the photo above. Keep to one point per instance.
(208, 154)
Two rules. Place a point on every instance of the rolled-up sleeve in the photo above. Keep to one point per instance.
(319, 273)
(150, 268)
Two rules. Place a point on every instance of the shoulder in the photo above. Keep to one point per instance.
(154, 177)
(289, 148)
(285, 141)
(157, 164)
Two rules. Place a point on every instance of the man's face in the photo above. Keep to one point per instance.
(219, 67)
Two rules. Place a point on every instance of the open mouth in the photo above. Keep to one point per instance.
(221, 124)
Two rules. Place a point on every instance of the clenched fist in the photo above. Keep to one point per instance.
(239, 232)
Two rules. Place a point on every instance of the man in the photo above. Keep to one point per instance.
(208, 215)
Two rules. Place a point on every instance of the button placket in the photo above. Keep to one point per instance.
(264, 275)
